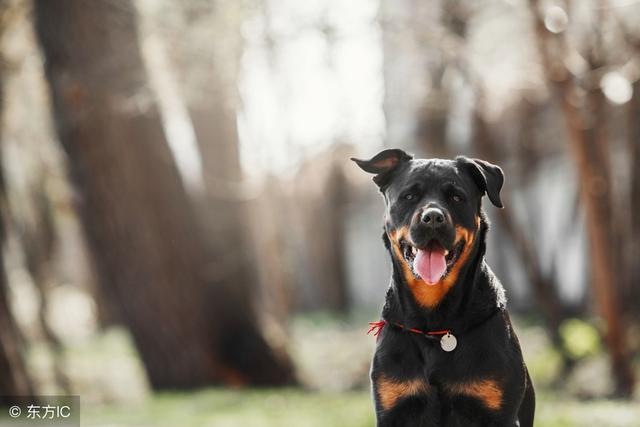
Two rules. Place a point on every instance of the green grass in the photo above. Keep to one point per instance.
(231, 408)
(554, 410)
(294, 407)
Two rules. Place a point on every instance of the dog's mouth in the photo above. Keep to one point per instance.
(432, 262)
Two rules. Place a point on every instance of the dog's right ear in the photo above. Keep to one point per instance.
(383, 164)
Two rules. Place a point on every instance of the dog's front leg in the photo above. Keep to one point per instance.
(419, 411)
(403, 398)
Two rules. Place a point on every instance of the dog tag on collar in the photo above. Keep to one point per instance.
(448, 342)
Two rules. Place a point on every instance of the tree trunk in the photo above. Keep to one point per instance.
(633, 293)
(38, 240)
(317, 206)
(15, 383)
(207, 72)
(586, 140)
(132, 203)
(594, 199)
(151, 256)
(223, 214)
(417, 122)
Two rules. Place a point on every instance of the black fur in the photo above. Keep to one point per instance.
(458, 388)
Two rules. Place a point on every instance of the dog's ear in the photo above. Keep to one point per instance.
(487, 176)
(383, 164)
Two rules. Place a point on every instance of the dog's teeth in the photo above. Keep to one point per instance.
(414, 251)
(446, 252)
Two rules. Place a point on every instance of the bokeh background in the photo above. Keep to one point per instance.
(185, 243)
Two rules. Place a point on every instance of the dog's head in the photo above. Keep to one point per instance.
(433, 215)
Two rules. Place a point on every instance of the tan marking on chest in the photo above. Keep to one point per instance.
(486, 391)
(390, 391)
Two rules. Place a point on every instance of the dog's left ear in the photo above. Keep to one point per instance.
(487, 176)
(383, 164)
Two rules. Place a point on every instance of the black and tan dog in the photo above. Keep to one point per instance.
(446, 354)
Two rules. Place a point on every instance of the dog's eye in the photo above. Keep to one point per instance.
(409, 196)
(456, 198)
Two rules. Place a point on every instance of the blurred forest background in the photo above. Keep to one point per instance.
(184, 242)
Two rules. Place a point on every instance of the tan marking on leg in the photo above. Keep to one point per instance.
(487, 391)
(391, 391)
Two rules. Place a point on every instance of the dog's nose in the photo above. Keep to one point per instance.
(433, 217)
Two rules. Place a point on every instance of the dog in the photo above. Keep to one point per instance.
(446, 352)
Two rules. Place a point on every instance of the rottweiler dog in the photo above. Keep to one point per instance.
(446, 352)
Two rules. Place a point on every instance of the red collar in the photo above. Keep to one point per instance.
(376, 328)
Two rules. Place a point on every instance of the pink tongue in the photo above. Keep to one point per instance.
(430, 264)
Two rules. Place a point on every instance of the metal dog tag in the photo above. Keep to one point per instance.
(448, 342)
